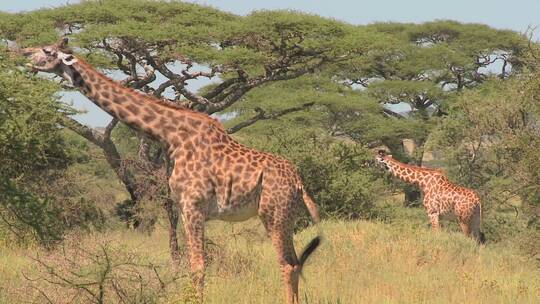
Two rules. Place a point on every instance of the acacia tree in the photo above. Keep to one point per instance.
(179, 42)
(424, 65)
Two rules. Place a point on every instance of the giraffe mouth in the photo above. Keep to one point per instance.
(37, 60)
(383, 164)
(39, 67)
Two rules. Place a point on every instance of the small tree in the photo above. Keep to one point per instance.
(34, 155)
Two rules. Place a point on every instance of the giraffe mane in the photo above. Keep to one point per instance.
(142, 95)
(434, 170)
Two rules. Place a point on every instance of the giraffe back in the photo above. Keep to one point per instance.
(445, 197)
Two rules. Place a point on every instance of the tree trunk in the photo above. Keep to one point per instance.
(115, 161)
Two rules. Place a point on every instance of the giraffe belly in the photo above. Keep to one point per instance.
(236, 202)
(237, 213)
(237, 209)
(448, 216)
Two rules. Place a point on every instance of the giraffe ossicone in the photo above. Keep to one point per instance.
(441, 196)
(213, 177)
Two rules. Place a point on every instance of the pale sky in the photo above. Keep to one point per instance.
(517, 15)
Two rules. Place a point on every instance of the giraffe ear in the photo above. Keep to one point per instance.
(67, 59)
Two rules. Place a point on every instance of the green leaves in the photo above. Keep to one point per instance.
(204, 34)
(34, 153)
(419, 94)
(443, 52)
(25, 213)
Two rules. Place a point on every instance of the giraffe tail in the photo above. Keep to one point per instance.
(481, 235)
(308, 250)
(314, 212)
(477, 225)
(311, 206)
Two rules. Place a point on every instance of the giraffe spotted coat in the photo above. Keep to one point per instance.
(213, 177)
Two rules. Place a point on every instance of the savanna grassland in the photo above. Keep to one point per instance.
(85, 210)
(359, 262)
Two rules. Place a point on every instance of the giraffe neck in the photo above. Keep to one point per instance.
(412, 174)
(147, 114)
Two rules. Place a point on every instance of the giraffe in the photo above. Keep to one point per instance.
(214, 177)
(441, 196)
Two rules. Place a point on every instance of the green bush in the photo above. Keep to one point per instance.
(37, 201)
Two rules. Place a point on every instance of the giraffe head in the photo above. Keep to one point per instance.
(382, 159)
(52, 58)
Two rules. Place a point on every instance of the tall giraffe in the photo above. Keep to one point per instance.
(441, 196)
(214, 177)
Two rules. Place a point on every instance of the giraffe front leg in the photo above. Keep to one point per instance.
(464, 223)
(194, 228)
(434, 219)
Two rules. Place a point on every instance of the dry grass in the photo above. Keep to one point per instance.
(359, 262)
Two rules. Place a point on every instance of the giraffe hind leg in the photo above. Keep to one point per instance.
(281, 234)
(282, 240)
(193, 220)
(434, 219)
(465, 226)
(279, 224)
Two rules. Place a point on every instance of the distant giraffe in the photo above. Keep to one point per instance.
(213, 175)
(441, 196)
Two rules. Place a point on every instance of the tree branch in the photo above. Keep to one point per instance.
(112, 124)
(262, 115)
(221, 87)
(138, 82)
(242, 89)
(104, 141)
